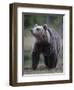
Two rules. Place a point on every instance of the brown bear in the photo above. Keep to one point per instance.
(47, 43)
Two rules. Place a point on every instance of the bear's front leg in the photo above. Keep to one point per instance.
(50, 59)
(35, 60)
(35, 57)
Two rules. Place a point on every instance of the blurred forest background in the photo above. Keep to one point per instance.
(54, 22)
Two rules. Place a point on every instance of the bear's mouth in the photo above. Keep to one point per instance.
(40, 37)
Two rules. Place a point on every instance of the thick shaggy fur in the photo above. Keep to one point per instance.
(47, 43)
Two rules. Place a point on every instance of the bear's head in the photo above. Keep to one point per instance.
(40, 32)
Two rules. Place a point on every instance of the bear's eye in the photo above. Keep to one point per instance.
(38, 29)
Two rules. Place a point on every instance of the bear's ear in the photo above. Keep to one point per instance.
(45, 26)
(35, 25)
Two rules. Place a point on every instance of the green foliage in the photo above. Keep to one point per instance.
(54, 21)
(30, 20)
